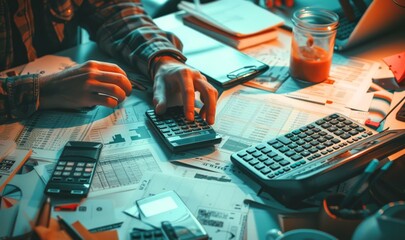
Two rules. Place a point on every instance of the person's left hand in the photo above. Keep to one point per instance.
(172, 77)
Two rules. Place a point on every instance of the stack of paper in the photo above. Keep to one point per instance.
(238, 23)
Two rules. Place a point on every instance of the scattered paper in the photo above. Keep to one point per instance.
(219, 207)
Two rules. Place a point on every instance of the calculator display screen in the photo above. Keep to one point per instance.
(158, 206)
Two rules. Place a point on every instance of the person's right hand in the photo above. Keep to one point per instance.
(85, 85)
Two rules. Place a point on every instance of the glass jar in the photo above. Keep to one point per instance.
(312, 44)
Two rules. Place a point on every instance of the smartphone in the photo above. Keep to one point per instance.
(74, 171)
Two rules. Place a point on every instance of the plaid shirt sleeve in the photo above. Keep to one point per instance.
(120, 27)
(123, 30)
(19, 97)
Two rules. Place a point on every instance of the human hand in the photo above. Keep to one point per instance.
(279, 3)
(84, 85)
(173, 77)
(53, 231)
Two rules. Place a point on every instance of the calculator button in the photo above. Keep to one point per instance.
(265, 170)
(257, 154)
(268, 162)
(275, 166)
(284, 140)
(242, 154)
(263, 158)
(77, 192)
(253, 162)
(83, 180)
(259, 166)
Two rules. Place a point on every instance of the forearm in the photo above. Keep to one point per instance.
(19, 97)
(124, 31)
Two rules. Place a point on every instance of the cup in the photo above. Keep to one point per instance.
(386, 223)
(299, 234)
(314, 31)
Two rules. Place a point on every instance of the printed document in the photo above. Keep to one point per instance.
(219, 207)
(350, 79)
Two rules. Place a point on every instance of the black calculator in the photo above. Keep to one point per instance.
(180, 134)
(316, 156)
(74, 171)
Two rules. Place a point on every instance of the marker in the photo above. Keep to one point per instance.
(348, 200)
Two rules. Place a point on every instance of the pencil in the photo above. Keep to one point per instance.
(69, 229)
(44, 213)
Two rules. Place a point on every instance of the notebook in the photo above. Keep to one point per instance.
(379, 17)
(229, 39)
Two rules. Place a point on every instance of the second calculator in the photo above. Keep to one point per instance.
(180, 134)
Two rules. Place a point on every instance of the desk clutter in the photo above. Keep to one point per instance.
(298, 151)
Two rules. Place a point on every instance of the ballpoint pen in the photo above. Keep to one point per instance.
(69, 229)
(44, 213)
(348, 200)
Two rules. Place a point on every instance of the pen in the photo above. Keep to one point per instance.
(69, 229)
(137, 85)
(348, 200)
(373, 180)
(44, 213)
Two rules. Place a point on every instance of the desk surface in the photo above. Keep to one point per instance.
(374, 51)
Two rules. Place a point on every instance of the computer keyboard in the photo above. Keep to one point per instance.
(306, 160)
